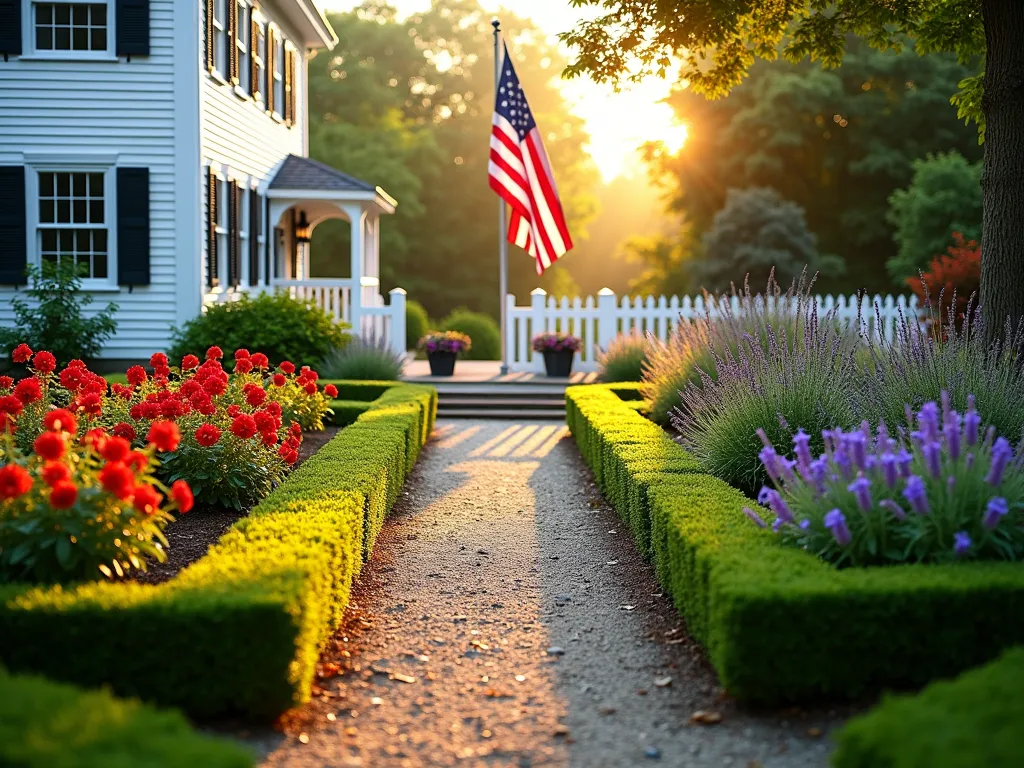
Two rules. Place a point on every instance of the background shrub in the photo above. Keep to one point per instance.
(54, 319)
(951, 279)
(364, 361)
(275, 324)
(481, 328)
(625, 358)
(417, 322)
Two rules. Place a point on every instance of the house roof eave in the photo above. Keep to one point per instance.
(316, 30)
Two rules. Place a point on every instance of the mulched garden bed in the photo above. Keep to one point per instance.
(191, 536)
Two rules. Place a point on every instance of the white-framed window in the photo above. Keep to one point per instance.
(243, 44)
(221, 51)
(278, 75)
(70, 28)
(223, 244)
(259, 54)
(73, 217)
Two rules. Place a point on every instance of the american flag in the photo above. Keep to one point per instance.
(521, 175)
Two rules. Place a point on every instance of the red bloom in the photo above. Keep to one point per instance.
(331, 391)
(21, 353)
(279, 380)
(6, 382)
(164, 435)
(215, 386)
(264, 421)
(244, 365)
(291, 458)
(158, 360)
(309, 373)
(54, 472)
(70, 378)
(11, 404)
(146, 499)
(260, 361)
(182, 496)
(241, 354)
(255, 396)
(136, 375)
(63, 495)
(214, 353)
(117, 479)
(78, 364)
(14, 480)
(50, 445)
(274, 408)
(137, 460)
(234, 410)
(44, 362)
(95, 437)
(60, 420)
(125, 430)
(244, 426)
(188, 362)
(125, 393)
(268, 438)
(288, 367)
(115, 449)
(207, 408)
(311, 388)
(90, 404)
(207, 435)
(284, 450)
(28, 390)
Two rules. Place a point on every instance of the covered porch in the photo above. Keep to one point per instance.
(303, 194)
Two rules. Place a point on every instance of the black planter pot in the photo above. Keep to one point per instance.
(559, 364)
(441, 363)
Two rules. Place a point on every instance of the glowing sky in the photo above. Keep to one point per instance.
(618, 123)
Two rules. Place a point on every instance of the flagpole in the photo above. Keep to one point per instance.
(502, 240)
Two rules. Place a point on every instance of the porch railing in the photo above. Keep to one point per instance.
(375, 319)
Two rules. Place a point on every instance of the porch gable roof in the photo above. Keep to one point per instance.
(302, 177)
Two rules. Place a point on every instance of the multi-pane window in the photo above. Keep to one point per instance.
(76, 26)
(279, 76)
(223, 211)
(259, 69)
(73, 214)
(221, 51)
(243, 44)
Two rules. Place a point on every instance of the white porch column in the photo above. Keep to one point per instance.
(357, 216)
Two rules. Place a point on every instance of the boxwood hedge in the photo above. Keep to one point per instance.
(972, 721)
(239, 631)
(44, 724)
(778, 624)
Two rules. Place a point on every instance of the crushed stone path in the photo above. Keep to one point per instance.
(506, 619)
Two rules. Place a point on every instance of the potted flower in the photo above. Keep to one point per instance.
(559, 350)
(442, 347)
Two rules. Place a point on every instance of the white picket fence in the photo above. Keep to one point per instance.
(598, 322)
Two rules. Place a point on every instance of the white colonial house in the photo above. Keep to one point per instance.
(163, 144)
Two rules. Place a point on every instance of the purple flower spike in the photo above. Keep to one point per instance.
(892, 506)
(764, 438)
(1002, 452)
(995, 512)
(972, 422)
(928, 421)
(916, 494)
(961, 543)
(835, 521)
(805, 524)
(769, 458)
(842, 460)
(763, 495)
(883, 437)
(890, 469)
(861, 488)
(857, 445)
(756, 518)
(819, 470)
(951, 431)
(779, 506)
(969, 460)
(904, 458)
(802, 448)
(932, 451)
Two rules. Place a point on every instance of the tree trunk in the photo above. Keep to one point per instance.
(1002, 181)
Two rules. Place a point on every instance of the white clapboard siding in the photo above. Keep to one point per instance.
(111, 108)
(597, 323)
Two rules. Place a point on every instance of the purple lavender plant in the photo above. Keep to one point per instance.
(445, 341)
(555, 342)
(939, 492)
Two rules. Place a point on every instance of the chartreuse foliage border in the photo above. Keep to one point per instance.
(44, 724)
(239, 631)
(972, 721)
(778, 624)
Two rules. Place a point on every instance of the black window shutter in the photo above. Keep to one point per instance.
(211, 64)
(255, 230)
(133, 226)
(268, 98)
(234, 232)
(132, 25)
(13, 229)
(212, 267)
(10, 28)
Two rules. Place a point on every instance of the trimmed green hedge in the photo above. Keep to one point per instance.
(972, 721)
(52, 725)
(778, 624)
(239, 631)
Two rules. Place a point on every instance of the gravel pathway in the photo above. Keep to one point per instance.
(506, 619)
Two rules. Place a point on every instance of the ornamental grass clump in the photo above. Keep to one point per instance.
(951, 355)
(790, 368)
(364, 361)
(941, 492)
(625, 358)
